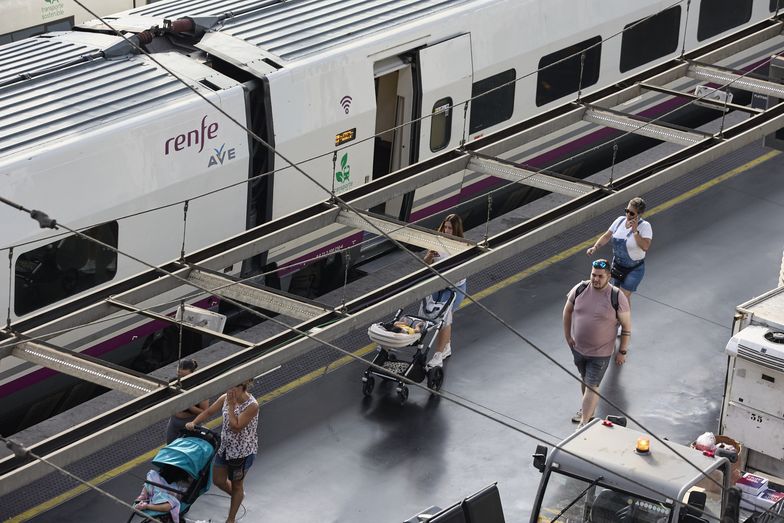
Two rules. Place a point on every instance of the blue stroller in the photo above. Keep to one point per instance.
(184, 472)
(402, 350)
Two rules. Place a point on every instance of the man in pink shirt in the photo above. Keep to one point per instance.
(590, 322)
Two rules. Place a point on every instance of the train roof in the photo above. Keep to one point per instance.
(294, 29)
(57, 85)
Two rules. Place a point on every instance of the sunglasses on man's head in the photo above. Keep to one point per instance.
(601, 264)
(631, 213)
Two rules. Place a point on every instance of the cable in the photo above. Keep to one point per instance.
(21, 452)
(348, 207)
(478, 409)
(41, 217)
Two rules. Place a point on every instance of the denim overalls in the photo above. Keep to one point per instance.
(622, 259)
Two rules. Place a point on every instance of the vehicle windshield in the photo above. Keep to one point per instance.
(569, 499)
(703, 500)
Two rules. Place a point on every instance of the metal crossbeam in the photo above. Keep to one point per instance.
(85, 368)
(535, 179)
(174, 321)
(738, 81)
(624, 122)
(405, 233)
(255, 296)
(720, 106)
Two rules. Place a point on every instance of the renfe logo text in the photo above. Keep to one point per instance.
(192, 138)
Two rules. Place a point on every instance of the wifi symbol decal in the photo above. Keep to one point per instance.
(345, 103)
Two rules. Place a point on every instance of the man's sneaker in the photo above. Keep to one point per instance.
(436, 361)
(447, 350)
(578, 417)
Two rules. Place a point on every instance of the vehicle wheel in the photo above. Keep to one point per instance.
(435, 378)
(367, 385)
(402, 393)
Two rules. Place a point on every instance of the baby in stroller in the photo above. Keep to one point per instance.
(407, 325)
(162, 491)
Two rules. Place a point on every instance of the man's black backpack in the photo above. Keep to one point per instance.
(613, 294)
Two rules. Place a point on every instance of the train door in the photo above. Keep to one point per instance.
(394, 111)
(445, 74)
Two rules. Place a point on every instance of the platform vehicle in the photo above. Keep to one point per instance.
(606, 472)
(99, 135)
(753, 406)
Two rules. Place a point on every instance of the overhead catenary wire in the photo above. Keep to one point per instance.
(350, 208)
(447, 280)
(448, 396)
(347, 206)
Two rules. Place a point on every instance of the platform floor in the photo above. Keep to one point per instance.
(328, 455)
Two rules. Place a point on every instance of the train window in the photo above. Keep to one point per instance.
(497, 105)
(559, 72)
(651, 38)
(63, 268)
(717, 16)
(441, 124)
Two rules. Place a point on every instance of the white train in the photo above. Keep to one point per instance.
(97, 135)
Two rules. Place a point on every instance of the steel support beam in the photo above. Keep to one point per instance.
(624, 122)
(738, 81)
(404, 232)
(84, 368)
(719, 106)
(255, 296)
(400, 187)
(522, 176)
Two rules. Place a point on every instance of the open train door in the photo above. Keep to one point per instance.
(445, 73)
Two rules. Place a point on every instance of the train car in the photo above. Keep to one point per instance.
(124, 145)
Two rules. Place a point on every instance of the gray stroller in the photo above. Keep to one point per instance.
(403, 346)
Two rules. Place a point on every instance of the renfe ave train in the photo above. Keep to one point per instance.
(106, 139)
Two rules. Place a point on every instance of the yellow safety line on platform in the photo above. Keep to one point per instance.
(62, 498)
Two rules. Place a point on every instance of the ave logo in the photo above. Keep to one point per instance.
(221, 155)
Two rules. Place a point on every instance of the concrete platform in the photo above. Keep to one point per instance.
(328, 455)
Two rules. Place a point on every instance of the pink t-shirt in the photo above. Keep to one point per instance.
(594, 323)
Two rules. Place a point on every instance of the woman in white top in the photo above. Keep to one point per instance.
(452, 225)
(239, 442)
(631, 238)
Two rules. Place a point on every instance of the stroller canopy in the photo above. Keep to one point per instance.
(188, 454)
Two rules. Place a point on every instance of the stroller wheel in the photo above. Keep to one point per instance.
(368, 383)
(402, 392)
(435, 378)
